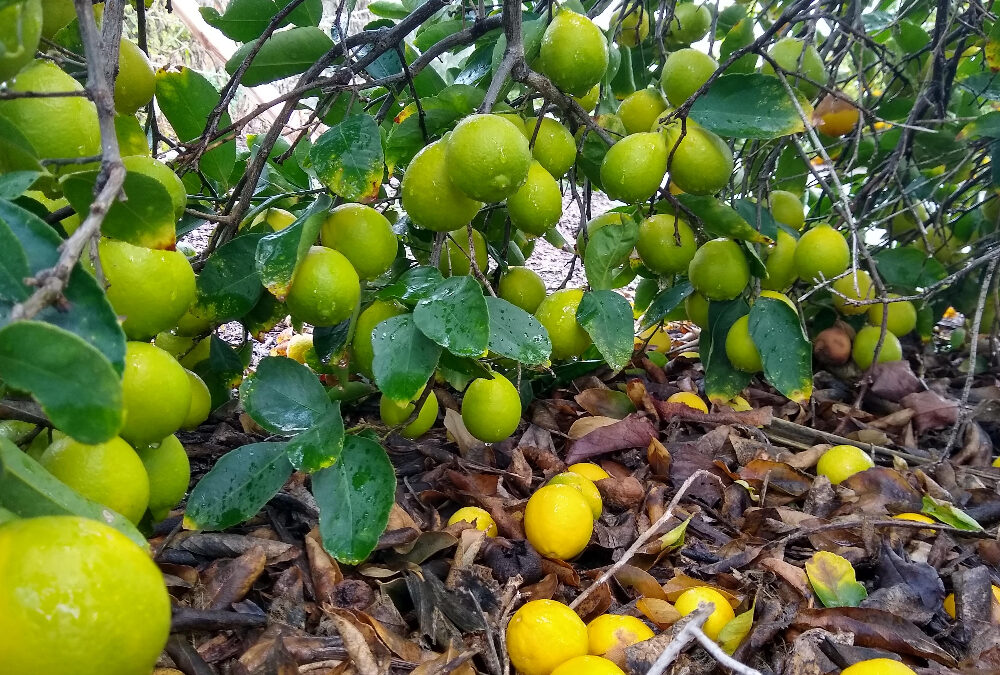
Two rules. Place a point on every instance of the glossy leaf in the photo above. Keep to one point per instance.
(441, 112)
(607, 318)
(238, 486)
(784, 349)
(606, 259)
(321, 445)
(749, 105)
(721, 220)
(330, 340)
(348, 159)
(221, 371)
(908, 268)
(413, 285)
(13, 184)
(245, 20)
(278, 254)
(987, 125)
(355, 496)
(455, 316)
(144, 218)
(229, 284)
(284, 397)
(665, 302)
(833, 580)
(949, 514)
(283, 54)
(722, 380)
(404, 358)
(516, 334)
(16, 153)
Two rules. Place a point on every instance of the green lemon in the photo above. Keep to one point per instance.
(325, 289)
(689, 24)
(701, 162)
(634, 167)
(201, 402)
(275, 218)
(821, 252)
(557, 313)
(780, 263)
(363, 235)
(491, 408)
(135, 82)
(156, 393)
(684, 72)
(640, 109)
(193, 323)
(522, 287)
(455, 254)
(554, 147)
(633, 28)
(740, 349)
(157, 170)
(372, 316)
(719, 270)
(169, 472)
(696, 306)
(20, 30)
(394, 413)
(152, 289)
(574, 53)
(487, 157)
(902, 316)
(428, 195)
(786, 207)
(788, 53)
(666, 244)
(537, 205)
(589, 100)
(131, 137)
(855, 288)
(109, 473)
(863, 350)
(594, 224)
(56, 14)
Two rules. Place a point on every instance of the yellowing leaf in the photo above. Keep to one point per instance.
(660, 612)
(832, 579)
(950, 514)
(734, 632)
(675, 537)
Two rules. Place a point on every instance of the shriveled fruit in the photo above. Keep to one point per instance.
(615, 632)
(480, 519)
(832, 346)
(491, 408)
(878, 667)
(902, 316)
(690, 23)
(841, 462)
(152, 289)
(788, 53)
(853, 287)
(394, 413)
(135, 82)
(640, 109)
(60, 574)
(586, 487)
(633, 168)
(865, 342)
(557, 313)
(633, 28)
(537, 205)
(574, 53)
(543, 634)
(372, 316)
(201, 402)
(363, 235)
(696, 307)
(690, 400)
(109, 473)
(522, 287)
(589, 470)
(719, 270)
(455, 255)
(700, 163)
(325, 288)
(684, 72)
(588, 665)
(430, 198)
(487, 157)
(156, 393)
(822, 252)
(20, 31)
(740, 349)
(558, 522)
(721, 614)
(169, 472)
(666, 244)
(160, 172)
(554, 147)
(834, 116)
(780, 263)
(786, 208)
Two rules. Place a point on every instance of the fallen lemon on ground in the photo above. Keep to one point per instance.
(720, 616)
(688, 399)
(544, 634)
(585, 486)
(611, 631)
(843, 461)
(558, 522)
(480, 518)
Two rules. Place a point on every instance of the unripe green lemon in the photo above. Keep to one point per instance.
(554, 147)
(780, 263)
(863, 351)
(160, 172)
(902, 316)
(514, 119)
(201, 402)
(634, 27)
(109, 473)
(56, 14)
(487, 157)
(429, 197)
(821, 252)
(537, 205)
(131, 138)
(372, 316)
(455, 254)
(557, 313)
(684, 72)
(491, 409)
(325, 288)
(666, 244)
(774, 295)
(589, 101)
(574, 53)
(856, 288)
(740, 349)
(394, 413)
(60, 575)
(786, 208)
(841, 462)
(275, 218)
(193, 323)
(719, 270)
(690, 23)
(20, 31)
(156, 393)
(152, 289)
(640, 109)
(522, 287)
(363, 235)
(701, 163)
(596, 223)
(169, 472)
(788, 52)
(135, 82)
(58, 126)
(696, 306)
(634, 167)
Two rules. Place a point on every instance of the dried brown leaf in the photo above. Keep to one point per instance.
(931, 410)
(585, 425)
(660, 612)
(632, 432)
(893, 380)
(323, 569)
(605, 403)
(234, 579)
(643, 582)
(358, 649)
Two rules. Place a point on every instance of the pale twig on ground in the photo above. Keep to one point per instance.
(691, 632)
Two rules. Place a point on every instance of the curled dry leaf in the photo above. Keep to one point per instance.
(640, 580)
(585, 425)
(632, 432)
(605, 402)
(659, 611)
(931, 410)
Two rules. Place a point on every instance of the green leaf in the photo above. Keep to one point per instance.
(284, 397)
(606, 259)
(16, 153)
(240, 484)
(280, 253)
(441, 112)
(413, 285)
(429, 34)
(455, 316)
(13, 184)
(665, 302)
(784, 349)
(330, 340)
(245, 20)
(988, 126)
(28, 490)
(221, 371)
(404, 358)
(348, 158)
(13, 270)
(721, 220)
(735, 631)
(390, 9)
(949, 514)
(284, 54)
(229, 284)
(144, 218)
(740, 35)
(477, 66)
(722, 381)
(320, 446)
(749, 106)
(264, 316)
(833, 580)
(908, 268)
(516, 334)
(76, 386)
(355, 496)
(758, 216)
(607, 318)
(983, 85)
(186, 98)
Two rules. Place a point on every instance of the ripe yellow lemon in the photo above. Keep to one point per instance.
(59, 574)
(902, 316)
(428, 195)
(109, 473)
(372, 316)
(863, 350)
(588, 665)
(557, 313)
(135, 82)
(169, 472)
(821, 252)
(633, 168)
(20, 31)
(616, 631)
(574, 53)
(554, 147)
(702, 163)
(688, 399)
(363, 235)
(275, 218)
(780, 263)
(740, 349)
(949, 600)
(201, 402)
(522, 287)
(487, 157)
(878, 667)
(786, 208)
(690, 23)
(788, 53)
(666, 244)
(586, 487)
(455, 255)
(719, 270)
(325, 288)
(298, 346)
(156, 393)
(537, 205)
(542, 635)
(480, 519)
(589, 470)
(843, 461)
(633, 28)
(720, 616)
(558, 521)
(394, 413)
(491, 409)
(684, 72)
(639, 110)
(854, 287)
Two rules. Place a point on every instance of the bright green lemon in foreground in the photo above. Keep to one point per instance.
(156, 392)
(557, 313)
(491, 408)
